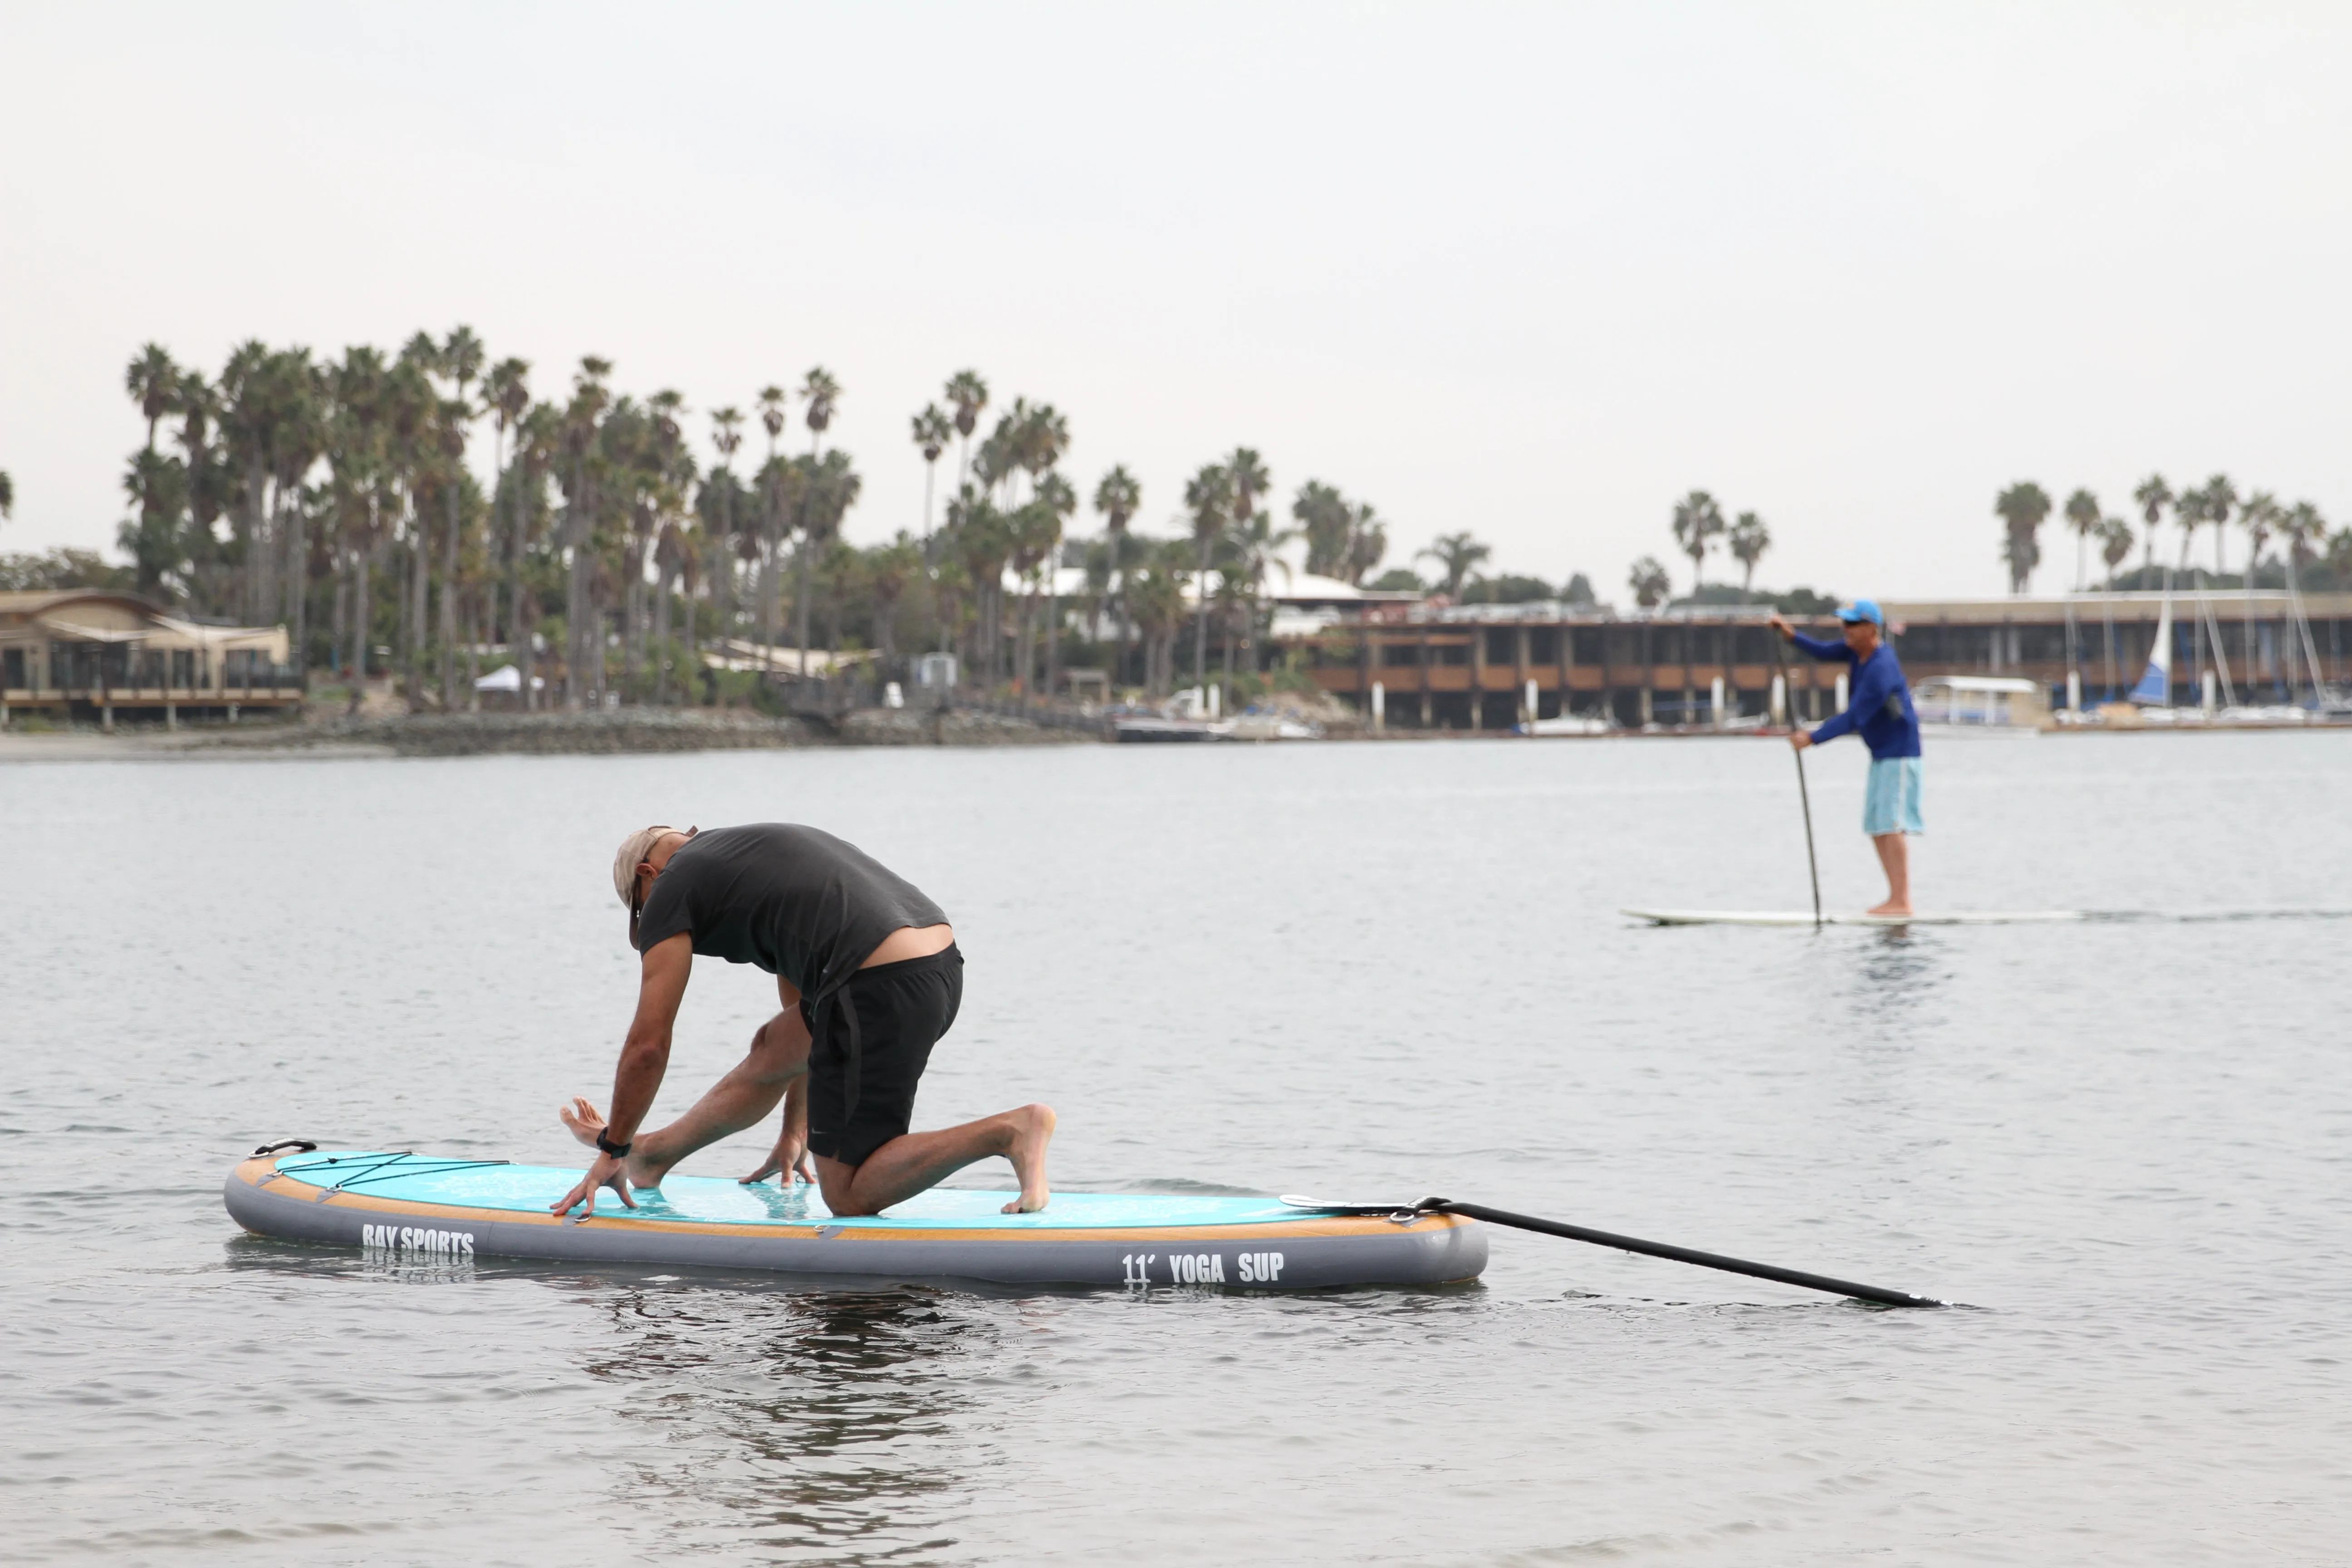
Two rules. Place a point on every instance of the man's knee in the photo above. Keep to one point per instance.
(834, 1180)
(779, 1050)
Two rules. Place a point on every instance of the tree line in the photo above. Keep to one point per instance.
(604, 555)
(2311, 555)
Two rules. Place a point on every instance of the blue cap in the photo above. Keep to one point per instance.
(1863, 610)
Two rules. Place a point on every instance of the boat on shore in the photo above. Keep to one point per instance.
(1152, 729)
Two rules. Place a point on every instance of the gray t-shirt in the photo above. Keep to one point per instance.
(796, 902)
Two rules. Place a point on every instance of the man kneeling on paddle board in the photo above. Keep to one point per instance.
(1878, 708)
(869, 975)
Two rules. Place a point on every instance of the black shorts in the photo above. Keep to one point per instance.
(902, 1010)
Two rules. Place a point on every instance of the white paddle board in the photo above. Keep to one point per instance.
(1804, 917)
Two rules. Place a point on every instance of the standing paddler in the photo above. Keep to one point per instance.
(869, 975)
(1878, 708)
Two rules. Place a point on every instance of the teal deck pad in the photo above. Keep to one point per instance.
(460, 1183)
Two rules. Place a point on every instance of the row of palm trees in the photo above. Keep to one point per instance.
(2023, 507)
(334, 495)
(304, 490)
(1699, 526)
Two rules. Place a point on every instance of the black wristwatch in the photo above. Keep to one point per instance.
(618, 1150)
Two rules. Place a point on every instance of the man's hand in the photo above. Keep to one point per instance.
(790, 1155)
(606, 1172)
(1787, 633)
(1799, 739)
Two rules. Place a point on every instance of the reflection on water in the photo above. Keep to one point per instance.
(818, 1425)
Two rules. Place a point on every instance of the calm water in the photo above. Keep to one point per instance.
(1360, 970)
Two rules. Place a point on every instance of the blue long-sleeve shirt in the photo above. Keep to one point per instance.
(1878, 703)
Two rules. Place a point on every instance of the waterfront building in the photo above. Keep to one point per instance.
(91, 653)
(1475, 667)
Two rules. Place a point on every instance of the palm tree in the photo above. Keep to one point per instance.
(354, 451)
(1252, 551)
(1368, 540)
(454, 414)
(821, 391)
(2114, 546)
(727, 437)
(582, 424)
(2189, 516)
(1037, 531)
(1119, 496)
(1324, 514)
(674, 555)
(890, 568)
(207, 492)
(1156, 600)
(1060, 500)
(2153, 495)
(154, 540)
(2300, 528)
(410, 411)
(829, 488)
(2083, 515)
(538, 442)
(772, 416)
(981, 542)
(931, 430)
(968, 395)
(507, 391)
(1747, 542)
(154, 383)
(2259, 516)
(1045, 436)
(2021, 509)
(1209, 500)
(2220, 499)
(1248, 479)
(461, 361)
(248, 409)
(1457, 555)
(1697, 523)
(462, 358)
(1649, 581)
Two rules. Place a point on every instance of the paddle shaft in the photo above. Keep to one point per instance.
(1804, 794)
(1822, 1282)
(1812, 863)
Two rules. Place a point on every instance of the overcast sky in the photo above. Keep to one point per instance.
(1529, 271)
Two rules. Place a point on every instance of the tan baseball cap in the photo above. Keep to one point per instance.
(631, 853)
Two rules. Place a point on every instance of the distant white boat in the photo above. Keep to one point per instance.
(1979, 705)
(1568, 724)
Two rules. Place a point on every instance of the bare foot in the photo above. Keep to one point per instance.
(586, 1122)
(1033, 1129)
(1891, 908)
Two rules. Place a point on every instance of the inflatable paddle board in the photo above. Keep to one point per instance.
(1802, 918)
(452, 1208)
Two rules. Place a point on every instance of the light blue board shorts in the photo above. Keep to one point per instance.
(1891, 804)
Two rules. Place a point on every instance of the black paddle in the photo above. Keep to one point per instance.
(1822, 1282)
(1805, 795)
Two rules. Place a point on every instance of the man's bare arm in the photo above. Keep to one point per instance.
(645, 1056)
